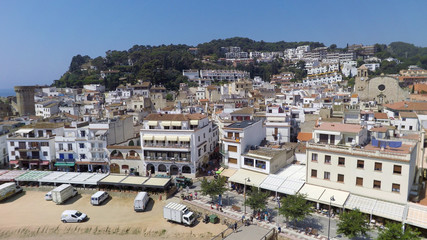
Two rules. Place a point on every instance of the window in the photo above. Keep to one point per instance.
(45, 144)
(403, 126)
(232, 148)
(61, 147)
(237, 135)
(200, 152)
(314, 157)
(45, 154)
(326, 175)
(359, 181)
(83, 133)
(198, 138)
(328, 159)
(360, 164)
(229, 135)
(313, 173)
(397, 169)
(410, 127)
(70, 147)
(395, 187)
(341, 161)
(249, 162)
(12, 144)
(81, 145)
(378, 166)
(340, 178)
(377, 184)
(232, 160)
(403, 119)
(13, 153)
(350, 139)
(82, 156)
(204, 148)
(260, 164)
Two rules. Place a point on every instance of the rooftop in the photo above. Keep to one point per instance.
(407, 106)
(174, 117)
(339, 127)
(241, 125)
(379, 115)
(246, 110)
(408, 115)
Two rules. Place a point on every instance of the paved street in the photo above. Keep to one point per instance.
(315, 221)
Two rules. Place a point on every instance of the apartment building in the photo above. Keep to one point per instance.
(33, 146)
(126, 157)
(239, 138)
(223, 75)
(177, 143)
(46, 109)
(277, 124)
(320, 79)
(340, 157)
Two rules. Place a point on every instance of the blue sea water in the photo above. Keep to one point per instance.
(7, 92)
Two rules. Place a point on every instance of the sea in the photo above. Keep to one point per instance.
(6, 92)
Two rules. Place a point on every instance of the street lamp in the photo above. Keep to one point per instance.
(332, 199)
(244, 191)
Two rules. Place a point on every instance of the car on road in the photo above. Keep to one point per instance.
(48, 196)
(73, 216)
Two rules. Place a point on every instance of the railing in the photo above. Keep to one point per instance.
(351, 150)
(173, 159)
(164, 145)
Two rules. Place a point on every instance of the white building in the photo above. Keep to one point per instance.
(372, 66)
(177, 143)
(277, 125)
(321, 79)
(46, 109)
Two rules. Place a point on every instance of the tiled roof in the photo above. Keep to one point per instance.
(379, 115)
(304, 136)
(378, 129)
(408, 114)
(407, 106)
(246, 110)
(339, 127)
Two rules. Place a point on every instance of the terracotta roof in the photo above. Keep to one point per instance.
(196, 116)
(339, 127)
(408, 114)
(246, 110)
(378, 129)
(420, 87)
(304, 137)
(379, 115)
(355, 95)
(407, 106)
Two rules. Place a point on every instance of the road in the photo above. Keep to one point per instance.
(315, 221)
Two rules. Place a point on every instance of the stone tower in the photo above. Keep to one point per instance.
(25, 100)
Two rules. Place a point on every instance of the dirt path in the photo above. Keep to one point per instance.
(29, 216)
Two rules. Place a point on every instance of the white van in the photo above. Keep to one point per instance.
(140, 202)
(73, 216)
(98, 197)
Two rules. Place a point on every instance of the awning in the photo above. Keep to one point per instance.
(194, 122)
(291, 186)
(228, 172)
(255, 178)
(389, 210)
(16, 162)
(100, 132)
(166, 123)
(339, 196)
(159, 138)
(364, 204)
(272, 182)
(312, 192)
(113, 179)
(44, 163)
(417, 215)
(134, 180)
(176, 123)
(157, 182)
(152, 123)
(172, 138)
(148, 137)
(184, 138)
(65, 164)
(25, 130)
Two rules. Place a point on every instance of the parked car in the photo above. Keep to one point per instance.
(48, 196)
(73, 216)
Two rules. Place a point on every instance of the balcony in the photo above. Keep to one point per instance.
(233, 139)
(168, 159)
(166, 145)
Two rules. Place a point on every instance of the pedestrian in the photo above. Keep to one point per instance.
(243, 218)
(195, 194)
(279, 229)
(235, 226)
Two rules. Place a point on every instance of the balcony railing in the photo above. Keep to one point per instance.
(169, 159)
(166, 145)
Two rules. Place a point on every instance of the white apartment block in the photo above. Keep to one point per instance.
(349, 68)
(381, 169)
(372, 66)
(406, 122)
(277, 125)
(33, 146)
(323, 68)
(177, 143)
(321, 79)
(239, 138)
(46, 109)
(223, 75)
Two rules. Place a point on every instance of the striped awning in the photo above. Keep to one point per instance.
(176, 123)
(159, 138)
(166, 123)
(147, 137)
(172, 138)
(194, 122)
(184, 138)
(152, 123)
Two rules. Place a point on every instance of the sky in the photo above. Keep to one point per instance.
(39, 38)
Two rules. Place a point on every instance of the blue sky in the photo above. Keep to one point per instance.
(39, 38)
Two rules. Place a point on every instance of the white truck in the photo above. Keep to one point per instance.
(62, 193)
(140, 202)
(178, 213)
(9, 189)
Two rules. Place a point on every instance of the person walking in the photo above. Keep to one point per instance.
(243, 218)
(235, 226)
